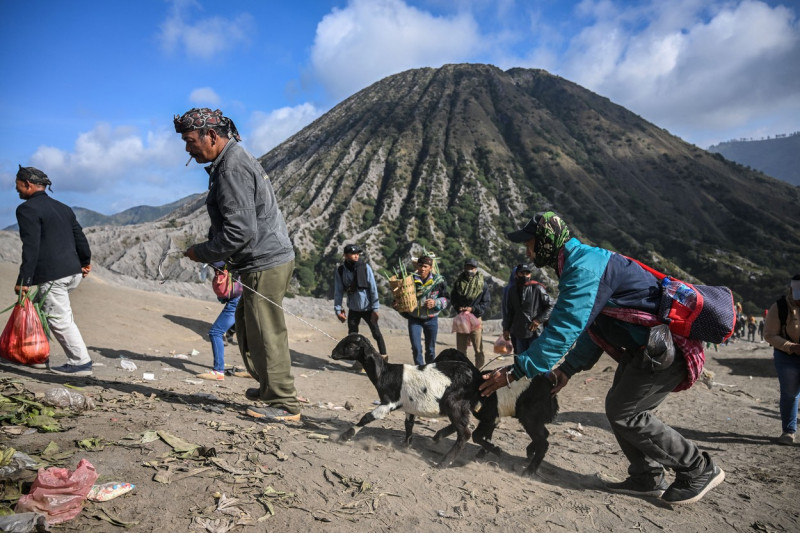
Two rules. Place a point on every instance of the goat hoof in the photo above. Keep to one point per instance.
(481, 454)
(347, 435)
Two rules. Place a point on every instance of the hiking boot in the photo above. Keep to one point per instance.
(253, 394)
(786, 439)
(684, 491)
(73, 370)
(273, 414)
(640, 486)
(212, 375)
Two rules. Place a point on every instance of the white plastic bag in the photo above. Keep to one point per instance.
(465, 322)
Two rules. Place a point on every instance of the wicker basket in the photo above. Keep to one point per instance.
(404, 293)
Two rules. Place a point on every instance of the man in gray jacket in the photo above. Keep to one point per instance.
(247, 231)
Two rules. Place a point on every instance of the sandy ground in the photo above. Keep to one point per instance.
(295, 477)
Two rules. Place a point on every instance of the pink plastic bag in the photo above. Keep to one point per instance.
(58, 493)
(502, 346)
(466, 323)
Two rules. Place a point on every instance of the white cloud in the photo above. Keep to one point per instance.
(106, 156)
(371, 39)
(205, 97)
(271, 129)
(204, 38)
(692, 65)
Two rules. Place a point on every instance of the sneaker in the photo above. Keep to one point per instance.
(212, 375)
(73, 370)
(272, 414)
(253, 394)
(640, 486)
(684, 491)
(786, 439)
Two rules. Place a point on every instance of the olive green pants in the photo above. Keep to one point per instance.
(262, 335)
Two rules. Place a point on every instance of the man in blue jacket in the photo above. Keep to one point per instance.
(55, 256)
(596, 287)
(356, 279)
(248, 231)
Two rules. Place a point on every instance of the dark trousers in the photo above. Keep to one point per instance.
(648, 443)
(354, 319)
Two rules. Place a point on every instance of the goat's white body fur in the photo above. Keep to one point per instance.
(422, 390)
(507, 396)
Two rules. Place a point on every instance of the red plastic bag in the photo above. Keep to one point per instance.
(24, 340)
(465, 322)
(58, 493)
(225, 287)
(502, 346)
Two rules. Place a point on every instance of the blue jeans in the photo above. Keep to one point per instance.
(222, 324)
(788, 368)
(418, 326)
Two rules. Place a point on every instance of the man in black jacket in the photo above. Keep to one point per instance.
(529, 307)
(471, 295)
(55, 256)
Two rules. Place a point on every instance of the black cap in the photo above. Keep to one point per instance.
(525, 234)
(352, 249)
(525, 267)
(471, 262)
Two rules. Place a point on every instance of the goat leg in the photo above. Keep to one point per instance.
(379, 413)
(461, 422)
(409, 428)
(537, 450)
(483, 437)
(444, 432)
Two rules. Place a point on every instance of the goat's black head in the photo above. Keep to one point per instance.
(354, 347)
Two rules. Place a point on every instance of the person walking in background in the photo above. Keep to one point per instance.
(470, 294)
(219, 330)
(356, 279)
(249, 232)
(432, 299)
(529, 307)
(761, 328)
(597, 291)
(55, 256)
(782, 332)
(751, 328)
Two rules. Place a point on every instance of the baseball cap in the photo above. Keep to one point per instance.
(352, 249)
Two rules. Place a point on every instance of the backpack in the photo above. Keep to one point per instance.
(698, 312)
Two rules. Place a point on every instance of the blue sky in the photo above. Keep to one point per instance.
(90, 87)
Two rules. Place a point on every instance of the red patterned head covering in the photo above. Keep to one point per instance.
(202, 117)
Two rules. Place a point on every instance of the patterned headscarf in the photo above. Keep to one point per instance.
(551, 234)
(202, 117)
(34, 175)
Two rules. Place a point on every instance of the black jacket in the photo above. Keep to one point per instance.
(527, 303)
(53, 243)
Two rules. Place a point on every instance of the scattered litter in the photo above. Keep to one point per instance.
(127, 364)
(376, 402)
(317, 436)
(108, 491)
(194, 352)
(13, 461)
(148, 376)
(194, 381)
(58, 493)
(348, 406)
(180, 356)
(573, 434)
(23, 523)
(66, 398)
(330, 406)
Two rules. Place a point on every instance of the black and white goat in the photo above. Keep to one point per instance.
(447, 387)
(527, 400)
